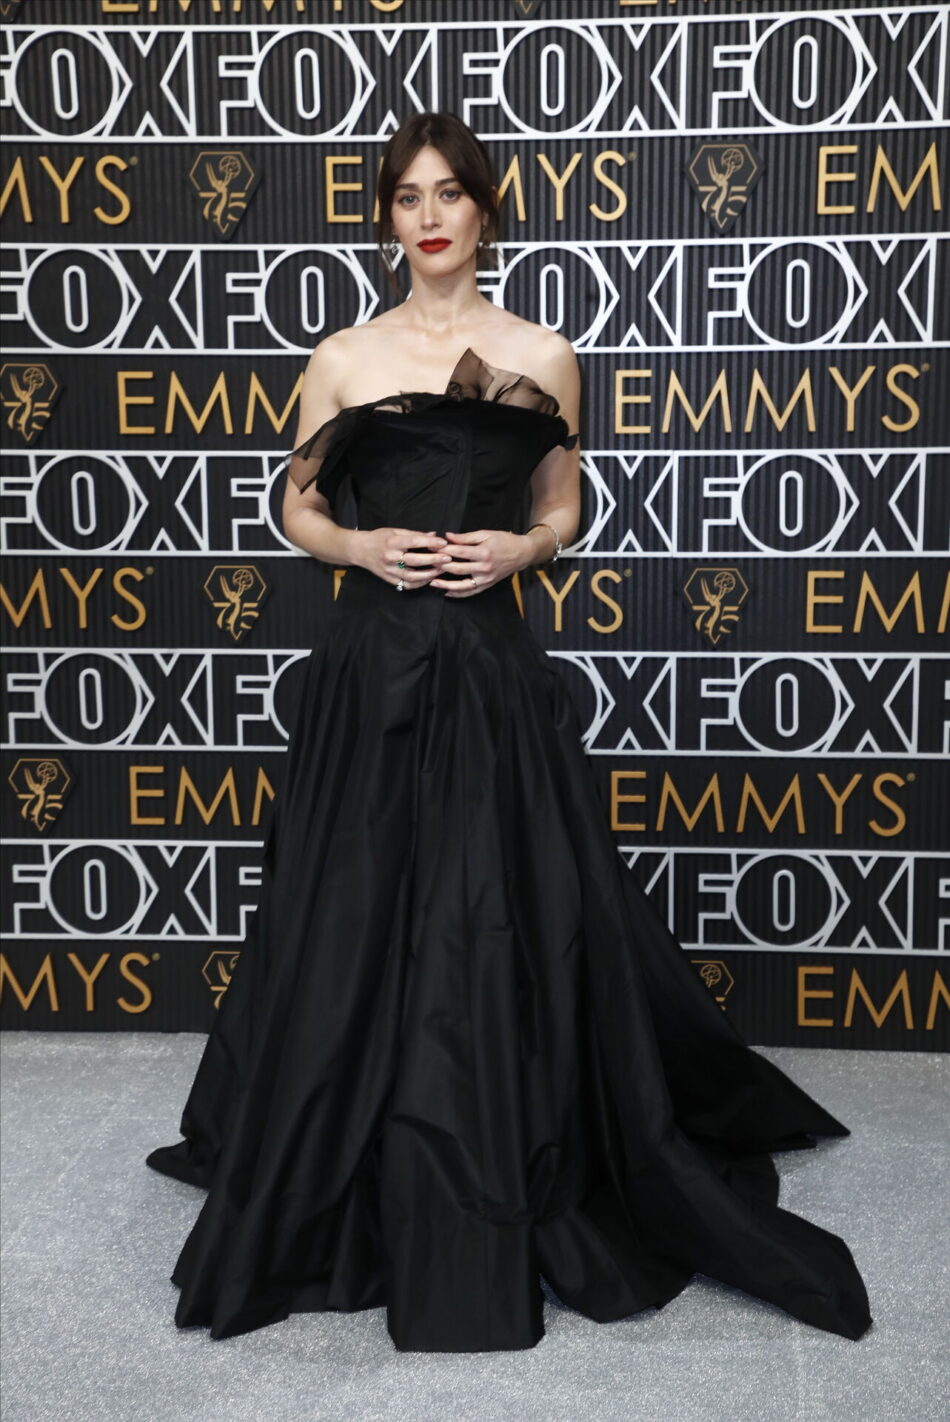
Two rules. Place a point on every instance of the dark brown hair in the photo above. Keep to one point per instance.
(469, 160)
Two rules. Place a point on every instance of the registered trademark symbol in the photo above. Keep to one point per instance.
(911, 775)
(632, 154)
(627, 572)
(155, 957)
(149, 570)
(133, 159)
(926, 365)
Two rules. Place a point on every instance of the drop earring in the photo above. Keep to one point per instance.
(492, 252)
(390, 251)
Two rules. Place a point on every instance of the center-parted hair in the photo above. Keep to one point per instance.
(468, 160)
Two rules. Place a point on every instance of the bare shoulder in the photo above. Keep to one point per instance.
(562, 359)
(335, 359)
(554, 351)
(323, 381)
(326, 364)
(545, 355)
(551, 361)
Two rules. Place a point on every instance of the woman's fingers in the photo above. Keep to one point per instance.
(465, 567)
(419, 550)
(427, 559)
(428, 556)
(412, 538)
(421, 555)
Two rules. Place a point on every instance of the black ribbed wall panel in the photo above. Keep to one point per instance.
(753, 620)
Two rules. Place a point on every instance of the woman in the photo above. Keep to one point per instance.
(460, 1050)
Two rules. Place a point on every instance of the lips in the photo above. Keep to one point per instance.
(436, 245)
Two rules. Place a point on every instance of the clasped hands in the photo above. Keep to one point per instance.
(486, 554)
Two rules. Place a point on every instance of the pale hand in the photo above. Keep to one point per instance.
(378, 550)
(487, 554)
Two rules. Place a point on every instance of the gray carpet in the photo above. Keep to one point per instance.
(90, 1235)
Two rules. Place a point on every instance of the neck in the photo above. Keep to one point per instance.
(437, 309)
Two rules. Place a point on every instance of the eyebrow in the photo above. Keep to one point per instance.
(438, 183)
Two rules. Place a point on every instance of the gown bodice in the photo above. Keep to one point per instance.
(458, 460)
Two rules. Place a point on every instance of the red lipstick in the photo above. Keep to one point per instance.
(435, 244)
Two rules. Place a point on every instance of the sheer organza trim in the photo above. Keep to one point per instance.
(321, 457)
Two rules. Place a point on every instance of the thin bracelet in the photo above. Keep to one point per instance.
(557, 540)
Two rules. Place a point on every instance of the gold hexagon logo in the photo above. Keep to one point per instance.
(236, 590)
(724, 174)
(41, 784)
(217, 972)
(29, 390)
(224, 181)
(715, 596)
(717, 978)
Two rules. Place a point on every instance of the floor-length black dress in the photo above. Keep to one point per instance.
(460, 1049)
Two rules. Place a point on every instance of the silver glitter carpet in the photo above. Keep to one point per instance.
(90, 1235)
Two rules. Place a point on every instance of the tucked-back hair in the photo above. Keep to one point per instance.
(468, 159)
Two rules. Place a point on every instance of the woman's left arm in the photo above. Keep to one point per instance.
(556, 482)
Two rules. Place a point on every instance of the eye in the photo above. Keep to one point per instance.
(453, 193)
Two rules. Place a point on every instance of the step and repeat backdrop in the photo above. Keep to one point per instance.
(737, 214)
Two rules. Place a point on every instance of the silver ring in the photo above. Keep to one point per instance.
(400, 585)
(474, 579)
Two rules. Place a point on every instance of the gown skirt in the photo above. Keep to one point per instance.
(460, 1050)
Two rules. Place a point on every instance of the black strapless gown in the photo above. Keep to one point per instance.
(460, 1050)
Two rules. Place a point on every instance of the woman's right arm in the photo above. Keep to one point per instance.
(308, 522)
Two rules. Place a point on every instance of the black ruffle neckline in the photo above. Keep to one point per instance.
(472, 379)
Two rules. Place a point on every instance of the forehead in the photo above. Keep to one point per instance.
(428, 166)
